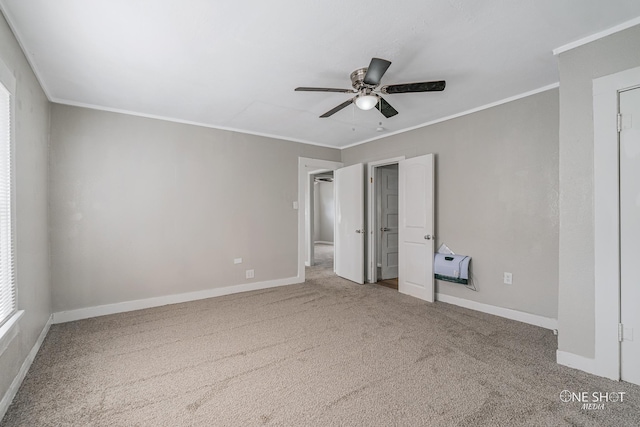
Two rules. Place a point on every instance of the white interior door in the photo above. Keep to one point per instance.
(630, 235)
(389, 221)
(416, 239)
(349, 222)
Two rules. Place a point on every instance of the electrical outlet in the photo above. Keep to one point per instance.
(237, 260)
(508, 278)
(249, 274)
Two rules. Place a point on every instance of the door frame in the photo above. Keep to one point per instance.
(370, 260)
(306, 165)
(606, 194)
(310, 217)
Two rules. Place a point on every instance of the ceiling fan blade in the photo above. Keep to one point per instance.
(414, 87)
(338, 108)
(323, 89)
(375, 71)
(385, 108)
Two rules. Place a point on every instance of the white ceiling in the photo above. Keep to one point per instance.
(235, 64)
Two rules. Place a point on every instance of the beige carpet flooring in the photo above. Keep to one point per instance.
(324, 353)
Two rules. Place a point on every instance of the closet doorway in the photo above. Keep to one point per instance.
(386, 229)
(383, 223)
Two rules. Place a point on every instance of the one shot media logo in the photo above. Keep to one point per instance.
(592, 400)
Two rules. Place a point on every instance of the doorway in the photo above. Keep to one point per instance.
(415, 224)
(306, 168)
(385, 231)
(322, 220)
(382, 212)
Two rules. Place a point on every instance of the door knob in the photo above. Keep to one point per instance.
(360, 231)
(429, 237)
(384, 229)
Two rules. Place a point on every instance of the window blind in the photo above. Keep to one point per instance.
(7, 276)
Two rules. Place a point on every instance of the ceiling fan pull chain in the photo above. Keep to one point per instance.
(353, 118)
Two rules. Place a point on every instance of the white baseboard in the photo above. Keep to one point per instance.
(17, 381)
(9, 330)
(322, 242)
(520, 316)
(121, 307)
(576, 361)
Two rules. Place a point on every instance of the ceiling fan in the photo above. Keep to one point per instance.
(366, 82)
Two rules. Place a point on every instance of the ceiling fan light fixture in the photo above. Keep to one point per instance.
(366, 102)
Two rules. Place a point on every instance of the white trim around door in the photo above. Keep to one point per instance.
(607, 220)
(305, 166)
(371, 214)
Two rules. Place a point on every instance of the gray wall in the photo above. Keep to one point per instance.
(496, 197)
(578, 68)
(31, 158)
(143, 208)
(324, 212)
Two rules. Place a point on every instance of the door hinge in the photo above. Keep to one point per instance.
(371, 178)
(619, 122)
(620, 329)
(625, 121)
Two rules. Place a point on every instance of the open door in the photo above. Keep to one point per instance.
(348, 184)
(416, 239)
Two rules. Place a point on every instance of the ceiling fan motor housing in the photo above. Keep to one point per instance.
(357, 79)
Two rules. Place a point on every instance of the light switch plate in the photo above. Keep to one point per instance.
(508, 278)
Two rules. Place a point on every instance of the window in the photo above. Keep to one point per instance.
(7, 277)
